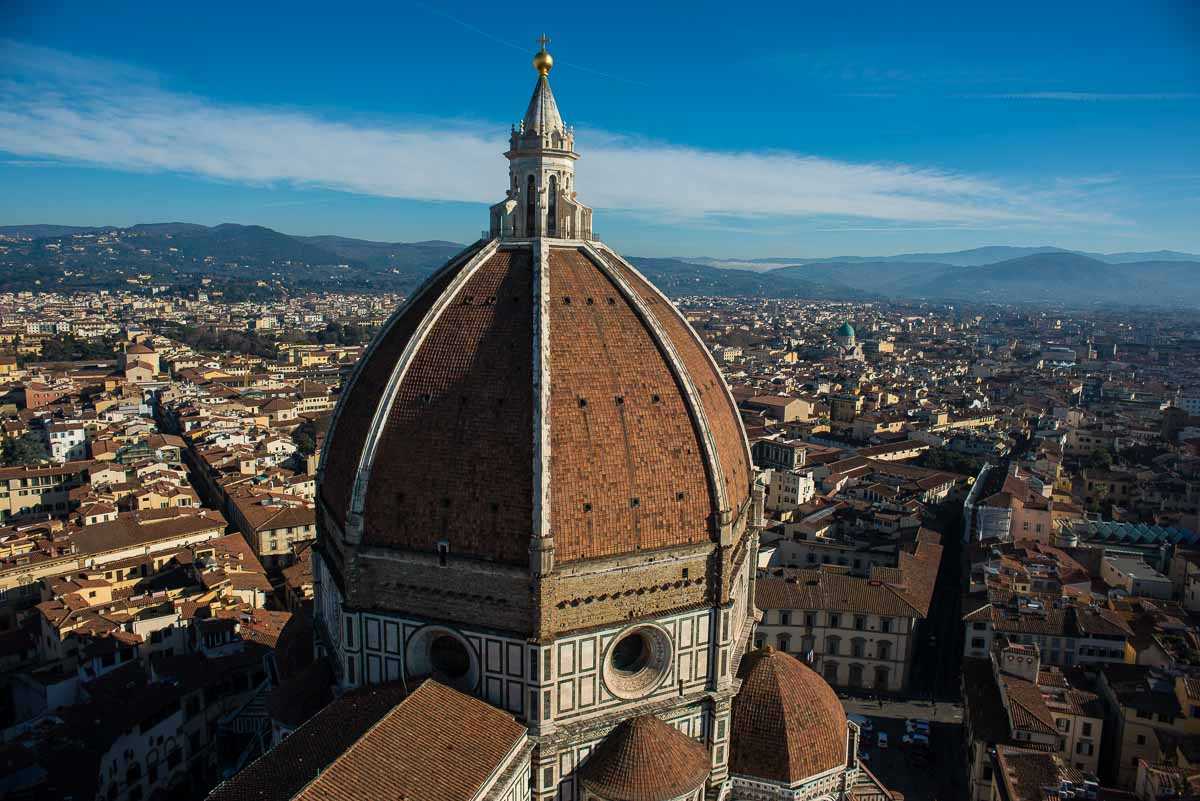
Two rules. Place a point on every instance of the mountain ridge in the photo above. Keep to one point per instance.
(179, 253)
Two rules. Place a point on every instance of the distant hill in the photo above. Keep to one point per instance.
(1059, 276)
(40, 231)
(262, 261)
(1068, 278)
(1154, 255)
(65, 257)
(974, 257)
(69, 257)
(878, 277)
(676, 277)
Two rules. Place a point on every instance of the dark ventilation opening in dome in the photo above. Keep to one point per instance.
(631, 654)
(449, 658)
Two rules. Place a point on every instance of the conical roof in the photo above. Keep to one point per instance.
(644, 759)
(542, 114)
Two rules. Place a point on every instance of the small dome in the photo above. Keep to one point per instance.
(846, 330)
(788, 724)
(644, 759)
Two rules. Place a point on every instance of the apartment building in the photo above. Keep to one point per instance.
(856, 632)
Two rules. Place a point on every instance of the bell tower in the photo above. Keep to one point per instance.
(541, 202)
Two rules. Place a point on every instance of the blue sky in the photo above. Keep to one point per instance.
(803, 129)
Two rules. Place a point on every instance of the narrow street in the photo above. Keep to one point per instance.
(938, 652)
(934, 772)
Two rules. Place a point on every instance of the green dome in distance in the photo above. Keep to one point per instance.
(846, 330)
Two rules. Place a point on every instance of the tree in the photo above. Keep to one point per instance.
(942, 459)
(1100, 459)
(27, 449)
(304, 437)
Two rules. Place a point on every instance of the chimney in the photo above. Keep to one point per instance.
(1022, 661)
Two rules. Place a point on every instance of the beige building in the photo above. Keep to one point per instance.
(52, 549)
(781, 408)
(1135, 577)
(273, 523)
(844, 408)
(1151, 710)
(40, 489)
(1011, 700)
(856, 632)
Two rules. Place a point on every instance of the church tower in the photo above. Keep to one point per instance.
(541, 176)
(537, 489)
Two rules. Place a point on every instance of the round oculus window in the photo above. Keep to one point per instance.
(630, 653)
(637, 661)
(449, 658)
(442, 654)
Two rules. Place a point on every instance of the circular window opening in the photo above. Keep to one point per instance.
(637, 661)
(449, 658)
(631, 654)
(442, 654)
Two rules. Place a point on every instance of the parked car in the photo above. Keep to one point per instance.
(863, 722)
(917, 724)
(881, 739)
(915, 739)
(864, 756)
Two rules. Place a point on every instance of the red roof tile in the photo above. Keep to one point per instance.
(455, 459)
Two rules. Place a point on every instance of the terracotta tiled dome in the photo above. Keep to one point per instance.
(513, 386)
(644, 759)
(788, 724)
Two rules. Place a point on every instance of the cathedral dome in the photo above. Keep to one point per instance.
(644, 759)
(528, 388)
(788, 724)
(846, 330)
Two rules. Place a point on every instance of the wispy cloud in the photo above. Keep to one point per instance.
(56, 106)
(1088, 97)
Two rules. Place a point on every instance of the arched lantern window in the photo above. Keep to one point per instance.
(530, 205)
